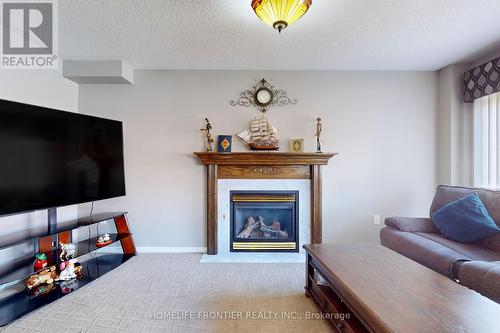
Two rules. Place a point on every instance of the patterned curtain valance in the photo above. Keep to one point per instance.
(482, 80)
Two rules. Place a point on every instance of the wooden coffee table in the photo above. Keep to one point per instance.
(382, 291)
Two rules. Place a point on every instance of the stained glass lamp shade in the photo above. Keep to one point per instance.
(280, 13)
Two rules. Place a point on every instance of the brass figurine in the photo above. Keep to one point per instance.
(319, 129)
(210, 140)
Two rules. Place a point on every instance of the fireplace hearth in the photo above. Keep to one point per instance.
(264, 221)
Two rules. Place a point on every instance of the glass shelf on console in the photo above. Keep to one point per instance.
(20, 303)
(66, 226)
(25, 268)
(89, 245)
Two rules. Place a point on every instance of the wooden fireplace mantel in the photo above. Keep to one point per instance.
(263, 165)
(264, 158)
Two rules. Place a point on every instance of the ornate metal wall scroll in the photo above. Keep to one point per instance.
(263, 96)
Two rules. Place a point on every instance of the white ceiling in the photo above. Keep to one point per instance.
(334, 34)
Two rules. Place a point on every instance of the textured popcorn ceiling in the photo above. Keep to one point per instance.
(334, 34)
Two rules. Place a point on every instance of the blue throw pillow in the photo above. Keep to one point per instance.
(465, 220)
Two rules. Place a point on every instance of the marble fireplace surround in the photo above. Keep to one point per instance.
(258, 171)
(225, 186)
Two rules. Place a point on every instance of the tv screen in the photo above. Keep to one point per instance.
(52, 158)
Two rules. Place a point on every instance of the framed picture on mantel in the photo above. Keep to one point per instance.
(297, 145)
(224, 143)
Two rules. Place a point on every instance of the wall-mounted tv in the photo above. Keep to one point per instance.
(51, 158)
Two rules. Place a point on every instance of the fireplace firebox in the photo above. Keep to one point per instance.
(264, 221)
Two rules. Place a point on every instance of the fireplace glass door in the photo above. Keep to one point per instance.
(264, 221)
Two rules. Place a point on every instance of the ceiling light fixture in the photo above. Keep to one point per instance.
(280, 13)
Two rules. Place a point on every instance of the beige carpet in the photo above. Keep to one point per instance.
(148, 291)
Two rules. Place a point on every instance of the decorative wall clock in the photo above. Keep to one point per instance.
(263, 96)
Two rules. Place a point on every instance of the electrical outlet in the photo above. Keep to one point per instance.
(376, 219)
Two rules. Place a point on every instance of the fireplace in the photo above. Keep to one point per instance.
(250, 170)
(264, 221)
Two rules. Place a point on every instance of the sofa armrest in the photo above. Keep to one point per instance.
(481, 276)
(411, 224)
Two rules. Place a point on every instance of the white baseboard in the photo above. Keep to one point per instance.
(154, 249)
(157, 249)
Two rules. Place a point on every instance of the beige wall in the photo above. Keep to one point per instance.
(41, 87)
(454, 128)
(383, 124)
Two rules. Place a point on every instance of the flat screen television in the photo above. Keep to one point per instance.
(51, 158)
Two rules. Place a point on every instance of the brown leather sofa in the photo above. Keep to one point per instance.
(474, 265)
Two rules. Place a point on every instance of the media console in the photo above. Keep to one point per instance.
(16, 300)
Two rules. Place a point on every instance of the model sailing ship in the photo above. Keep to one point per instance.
(261, 135)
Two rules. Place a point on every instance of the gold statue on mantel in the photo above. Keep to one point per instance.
(319, 129)
(208, 134)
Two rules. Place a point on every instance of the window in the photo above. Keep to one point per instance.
(486, 141)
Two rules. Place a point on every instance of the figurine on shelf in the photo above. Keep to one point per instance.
(40, 261)
(47, 276)
(208, 133)
(68, 251)
(103, 240)
(68, 270)
(319, 129)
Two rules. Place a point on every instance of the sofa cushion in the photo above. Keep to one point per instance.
(423, 250)
(471, 250)
(465, 220)
(410, 224)
(446, 194)
(492, 242)
(483, 277)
